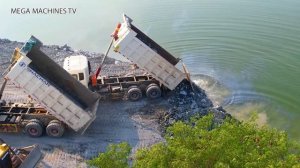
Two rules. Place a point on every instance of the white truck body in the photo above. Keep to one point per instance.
(134, 49)
(52, 97)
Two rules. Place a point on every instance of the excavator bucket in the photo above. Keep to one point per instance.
(34, 154)
(25, 157)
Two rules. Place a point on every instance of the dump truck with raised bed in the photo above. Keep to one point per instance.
(136, 46)
(64, 101)
(23, 157)
(159, 65)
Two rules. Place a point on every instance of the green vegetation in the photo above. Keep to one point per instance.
(201, 143)
(115, 156)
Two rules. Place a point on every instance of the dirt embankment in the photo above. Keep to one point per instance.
(140, 123)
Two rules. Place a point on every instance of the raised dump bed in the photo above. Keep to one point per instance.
(53, 87)
(147, 54)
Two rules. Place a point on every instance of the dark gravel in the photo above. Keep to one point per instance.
(188, 100)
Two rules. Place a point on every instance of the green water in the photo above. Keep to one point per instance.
(251, 47)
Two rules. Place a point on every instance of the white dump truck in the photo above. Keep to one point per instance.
(65, 101)
(162, 74)
(136, 46)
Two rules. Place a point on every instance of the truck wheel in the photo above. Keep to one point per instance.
(2, 102)
(37, 121)
(55, 129)
(55, 121)
(153, 91)
(34, 129)
(134, 94)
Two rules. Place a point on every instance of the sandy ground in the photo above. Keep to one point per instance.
(116, 121)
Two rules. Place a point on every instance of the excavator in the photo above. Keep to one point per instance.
(25, 157)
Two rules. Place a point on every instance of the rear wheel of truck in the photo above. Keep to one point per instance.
(34, 128)
(134, 93)
(55, 129)
(2, 102)
(153, 91)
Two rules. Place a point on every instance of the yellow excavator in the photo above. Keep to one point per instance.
(25, 157)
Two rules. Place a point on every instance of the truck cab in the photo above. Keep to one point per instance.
(78, 67)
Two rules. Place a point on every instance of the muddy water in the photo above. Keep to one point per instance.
(245, 52)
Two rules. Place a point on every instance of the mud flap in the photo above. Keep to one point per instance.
(32, 158)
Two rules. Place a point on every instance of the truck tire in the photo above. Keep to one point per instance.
(37, 121)
(153, 91)
(34, 129)
(55, 129)
(2, 102)
(134, 93)
(55, 121)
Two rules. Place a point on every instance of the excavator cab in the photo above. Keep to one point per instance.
(5, 159)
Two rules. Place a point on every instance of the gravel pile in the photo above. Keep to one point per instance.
(6, 49)
(188, 100)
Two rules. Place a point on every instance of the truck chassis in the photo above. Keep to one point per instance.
(131, 86)
(34, 121)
